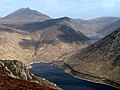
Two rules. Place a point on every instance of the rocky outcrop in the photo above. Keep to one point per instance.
(15, 72)
(16, 69)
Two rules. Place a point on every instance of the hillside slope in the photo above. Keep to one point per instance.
(110, 28)
(85, 27)
(50, 39)
(10, 48)
(102, 22)
(101, 59)
(92, 26)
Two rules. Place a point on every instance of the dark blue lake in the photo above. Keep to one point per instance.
(95, 37)
(64, 80)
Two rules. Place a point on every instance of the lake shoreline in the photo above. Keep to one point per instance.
(92, 81)
(71, 69)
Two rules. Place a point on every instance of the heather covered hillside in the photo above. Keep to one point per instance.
(44, 41)
(101, 59)
(110, 28)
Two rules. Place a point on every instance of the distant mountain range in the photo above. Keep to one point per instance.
(102, 22)
(110, 28)
(84, 26)
(87, 27)
(92, 26)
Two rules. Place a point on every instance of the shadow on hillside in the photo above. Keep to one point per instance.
(32, 27)
(26, 44)
(6, 29)
(71, 36)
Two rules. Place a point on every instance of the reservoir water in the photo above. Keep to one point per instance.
(95, 37)
(64, 80)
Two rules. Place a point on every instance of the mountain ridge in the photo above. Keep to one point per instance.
(41, 41)
(92, 26)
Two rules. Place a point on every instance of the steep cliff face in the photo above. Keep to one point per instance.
(14, 72)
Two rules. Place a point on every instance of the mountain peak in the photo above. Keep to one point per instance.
(27, 8)
(65, 18)
(26, 15)
(62, 20)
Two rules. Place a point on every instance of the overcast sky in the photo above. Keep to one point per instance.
(84, 9)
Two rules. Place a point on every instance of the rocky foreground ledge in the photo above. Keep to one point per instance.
(15, 76)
